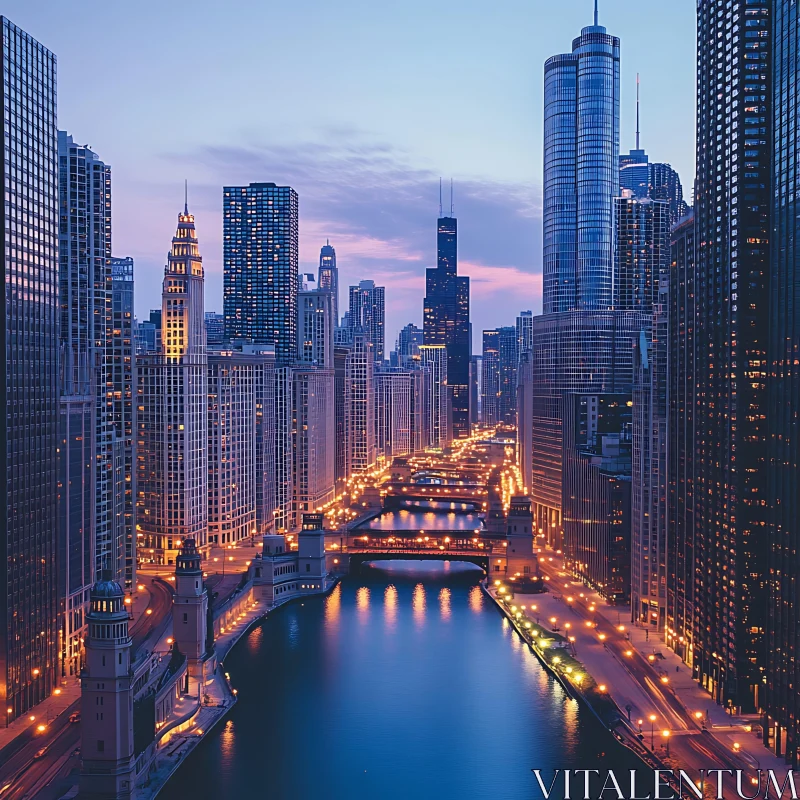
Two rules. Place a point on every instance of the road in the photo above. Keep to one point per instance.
(691, 747)
(23, 776)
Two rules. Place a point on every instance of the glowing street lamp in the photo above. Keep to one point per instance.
(665, 734)
(652, 731)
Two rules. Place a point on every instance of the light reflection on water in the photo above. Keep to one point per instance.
(418, 604)
(390, 605)
(416, 520)
(444, 603)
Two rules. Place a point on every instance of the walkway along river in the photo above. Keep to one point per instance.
(404, 682)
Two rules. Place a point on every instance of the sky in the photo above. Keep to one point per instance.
(361, 106)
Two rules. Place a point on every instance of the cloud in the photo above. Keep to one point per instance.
(379, 209)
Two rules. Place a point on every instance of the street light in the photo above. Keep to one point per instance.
(665, 734)
(652, 732)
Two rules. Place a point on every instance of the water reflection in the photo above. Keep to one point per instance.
(476, 599)
(444, 603)
(417, 520)
(362, 603)
(418, 604)
(390, 606)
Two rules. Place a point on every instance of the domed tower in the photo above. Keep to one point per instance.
(107, 756)
(190, 607)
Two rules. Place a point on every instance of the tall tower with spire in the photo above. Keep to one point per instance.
(581, 171)
(172, 477)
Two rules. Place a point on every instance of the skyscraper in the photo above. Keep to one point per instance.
(641, 251)
(581, 172)
(29, 374)
(367, 312)
(732, 209)
(172, 479)
(360, 409)
(393, 401)
(434, 357)
(231, 446)
(783, 649)
(680, 430)
(508, 362)
(490, 385)
(408, 342)
(524, 332)
(121, 395)
(329, 277)
(315, 325)
(260, 255)
(86, 496)
(446, 317)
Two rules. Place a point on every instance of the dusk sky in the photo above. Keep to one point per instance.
(360, 106)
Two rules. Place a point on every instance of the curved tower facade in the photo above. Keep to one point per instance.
(581, 172)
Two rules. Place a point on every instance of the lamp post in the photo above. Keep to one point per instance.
(665, 734)
(652, 732)
(9, 712)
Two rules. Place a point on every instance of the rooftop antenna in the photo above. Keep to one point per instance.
(637, 110)
(185, 195)
(440, 198)
(451, 198)
(596, 23)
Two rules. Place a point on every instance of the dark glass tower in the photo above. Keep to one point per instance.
(680, 436)
(260, 254)
(328, 277)
(509, 358)
(783, 644)
(29, 382)
(732, 209)
(446, 319)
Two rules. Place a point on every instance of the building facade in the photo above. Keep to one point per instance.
(30, 422)
(172, 389)
(597, 492)
(121, 395)
(260, 255)
(508, 362)
(393, 405)
(360, 405)
(732, 209)
(490, 383)
(783, 649)
(232, 440)
(315, 325)
(434, 358)
(367, 313)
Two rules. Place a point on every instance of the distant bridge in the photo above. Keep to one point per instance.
(398, 492)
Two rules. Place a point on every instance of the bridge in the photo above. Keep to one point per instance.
(354, 547)
(398, 492)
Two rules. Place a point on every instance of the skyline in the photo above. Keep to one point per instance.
(365, 162)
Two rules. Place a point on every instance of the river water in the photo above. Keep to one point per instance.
(405, 682)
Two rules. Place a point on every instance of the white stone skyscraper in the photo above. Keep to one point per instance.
(172, 479)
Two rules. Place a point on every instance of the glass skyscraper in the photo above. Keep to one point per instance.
(446, 319)
(367, 314)
(260, 255)
(783, 647)
(581, 172)
(29, 380)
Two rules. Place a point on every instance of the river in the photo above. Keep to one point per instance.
(405, 682)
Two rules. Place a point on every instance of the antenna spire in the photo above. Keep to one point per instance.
(596, 23)
(637, 110)
(185, 195)
(440, 198)
(452, 213)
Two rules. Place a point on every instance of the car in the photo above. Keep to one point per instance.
(75, 716)
(40, 754)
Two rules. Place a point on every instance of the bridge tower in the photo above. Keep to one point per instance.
(311, 549)
(190, 609)
(521, 559)
(107, 752)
